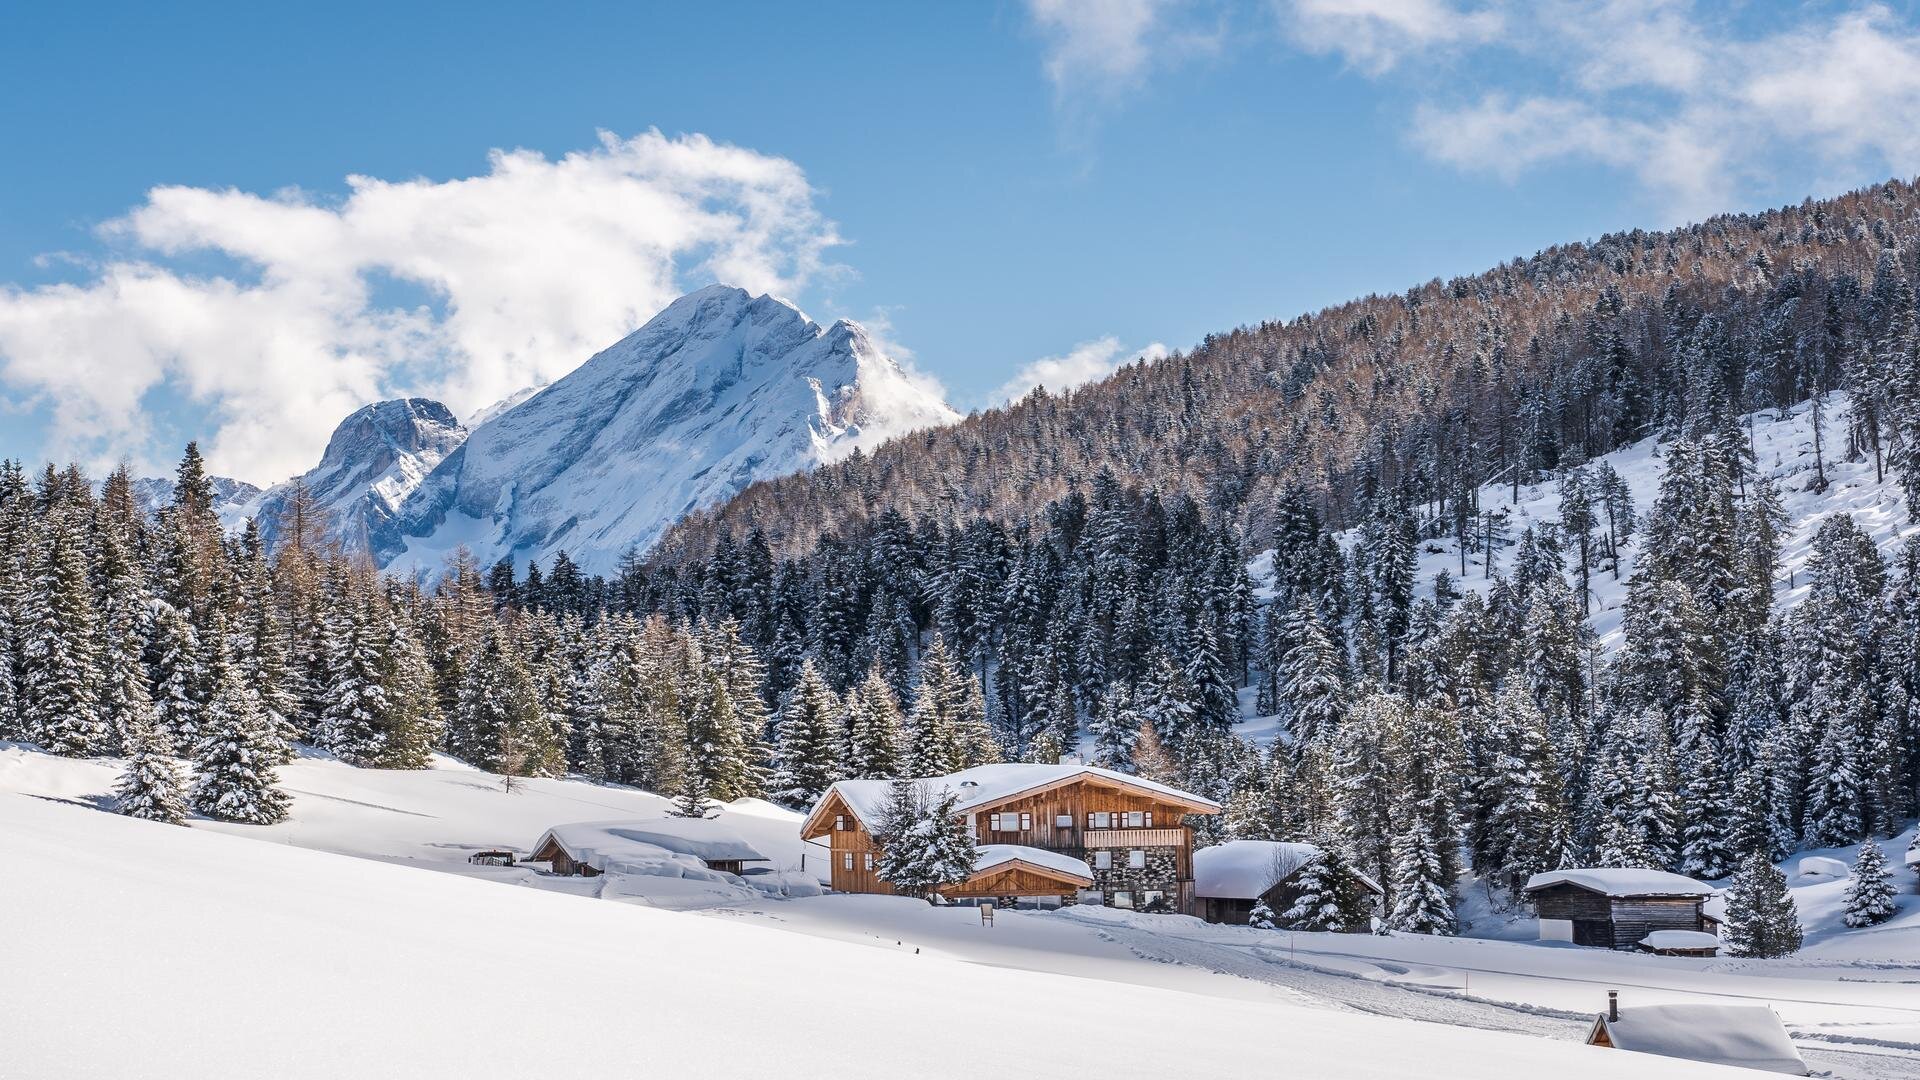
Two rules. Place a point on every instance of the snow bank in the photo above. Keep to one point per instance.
(217, 957)
(1681, 939)
(1821, 866)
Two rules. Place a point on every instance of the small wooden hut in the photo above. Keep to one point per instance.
(1616, 907)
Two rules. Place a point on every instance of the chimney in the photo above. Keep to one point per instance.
(1613, 1006)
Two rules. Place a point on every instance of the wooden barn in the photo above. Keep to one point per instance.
(1229, 878)
(1616, 907)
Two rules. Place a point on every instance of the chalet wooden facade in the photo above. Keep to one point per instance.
(1049, 834)
(1617, 908)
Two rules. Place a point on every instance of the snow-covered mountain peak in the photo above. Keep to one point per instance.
(373, 461)
(718, 390)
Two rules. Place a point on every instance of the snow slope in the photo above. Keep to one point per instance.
(375, 459)
(717, 391)
(213, 956)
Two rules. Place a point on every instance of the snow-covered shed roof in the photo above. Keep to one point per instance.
(992, 856)
(598, 842)
(1745, 1036)
(1246, 869)
(1680, 939)
(1622, 881)
(988, 785)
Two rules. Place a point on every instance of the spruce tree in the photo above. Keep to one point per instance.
(1328, 896)
(61, 691)
(151, 788)
(234, 775)
(874, 729)
(1423, 899)
(807, 753)
(1261, 917)
(1869, 898)
(1762, 920)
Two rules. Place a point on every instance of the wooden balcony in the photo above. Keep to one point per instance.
(1135, 838)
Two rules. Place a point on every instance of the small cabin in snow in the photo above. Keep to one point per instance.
(1743, 1036)
(1229, 878)
(1616, 907)
(590, 848)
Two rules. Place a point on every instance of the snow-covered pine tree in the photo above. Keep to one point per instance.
(924, 841)
(1423, 898)
(1115, 728)
(1365, 785)
(351, 723)
(1762, 920)
(807, 753)
(934, 745)
(151, 788)
(694, 800)
(1312, 686)
(60, 694)
(234, 774)
(1328, 895)
(874, 729)
(1869, 898)
(1261, 917)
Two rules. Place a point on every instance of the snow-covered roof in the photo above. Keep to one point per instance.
(1681, 939)
(1246, 869)
(985, 785)
(1745, 1036)
(988, 856)
(601, 844)
(1622, 881)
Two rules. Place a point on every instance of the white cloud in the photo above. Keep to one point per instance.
(528, 269)
(1084, 363)
(1694, 107)
(1373, 35)
(1098, 50)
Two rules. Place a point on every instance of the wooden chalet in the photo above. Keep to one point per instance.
(1048, 835)
(1230, 878)
(1617, 907)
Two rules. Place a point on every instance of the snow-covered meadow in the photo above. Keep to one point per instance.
(1850, 998)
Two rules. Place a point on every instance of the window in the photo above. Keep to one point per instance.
(869, 862)
(840, 823)
(1153, 900)
(1136, 819)
(1009, 822)
(1093, 896)
(1137, 859)
(1100, 820)
(847, 860)
(1063, 821)
(1123, 899)
(1103, 860)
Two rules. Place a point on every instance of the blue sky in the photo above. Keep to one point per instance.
(1009, 191)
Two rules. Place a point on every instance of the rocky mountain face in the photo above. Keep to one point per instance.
(719, 390)
(373, 462)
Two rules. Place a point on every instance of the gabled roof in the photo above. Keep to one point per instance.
(1617, 881)
(992, 858)
(985, 786)
(1246, 869)
(1745, 1036)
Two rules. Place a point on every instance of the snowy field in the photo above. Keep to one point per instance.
(478, 951)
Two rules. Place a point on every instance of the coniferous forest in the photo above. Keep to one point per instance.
(1071, 575)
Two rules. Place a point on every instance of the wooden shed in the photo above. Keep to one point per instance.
(1616, 907)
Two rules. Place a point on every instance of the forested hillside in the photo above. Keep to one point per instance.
(1541, 363)
(1071, 576)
